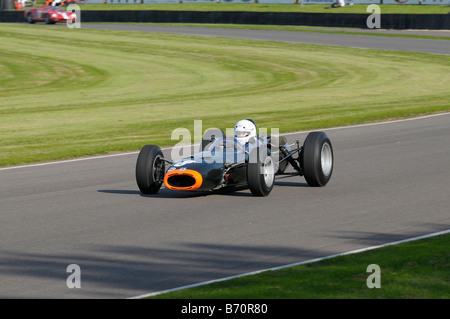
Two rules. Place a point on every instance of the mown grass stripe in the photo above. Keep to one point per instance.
(122, 90)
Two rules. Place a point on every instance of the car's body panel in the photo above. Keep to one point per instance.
(214, 169)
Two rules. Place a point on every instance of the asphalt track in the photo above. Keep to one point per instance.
(390, 183)
(333, 39)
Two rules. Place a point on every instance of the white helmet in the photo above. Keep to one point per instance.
(244, 130)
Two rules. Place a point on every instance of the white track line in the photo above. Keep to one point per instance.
(373, 124)
(168, 148)
(294, 264)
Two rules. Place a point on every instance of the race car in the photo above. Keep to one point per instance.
(246, 159)
(49, 15)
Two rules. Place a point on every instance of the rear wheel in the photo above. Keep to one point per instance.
(260, 172)
(150, 169)
(30, 18)
(317, 159)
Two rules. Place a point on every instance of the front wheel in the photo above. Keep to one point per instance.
(260, 172)
(150, 169)
(317, 158)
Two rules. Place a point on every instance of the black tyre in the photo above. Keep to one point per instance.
(47, 19)
(150, 169)
(30, 18)
(260, 172)
(317, 159)
(206, 140)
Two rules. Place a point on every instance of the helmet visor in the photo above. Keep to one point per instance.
(241, 134)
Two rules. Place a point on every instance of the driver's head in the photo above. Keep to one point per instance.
(244, 130)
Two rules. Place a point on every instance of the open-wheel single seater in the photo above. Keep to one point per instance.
(224, 163)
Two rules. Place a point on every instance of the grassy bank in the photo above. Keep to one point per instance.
(69, 93)
(258, 7)
(414, 270)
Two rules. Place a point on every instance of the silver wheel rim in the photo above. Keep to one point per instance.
(268, 171)
(156, 166)
(326, 159)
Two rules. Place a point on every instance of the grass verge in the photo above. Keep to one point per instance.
(413, 270)
(259, 7)
(69, 93)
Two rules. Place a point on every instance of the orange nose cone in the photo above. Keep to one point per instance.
(183, 179)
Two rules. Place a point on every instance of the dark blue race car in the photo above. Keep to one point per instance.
(223, 163)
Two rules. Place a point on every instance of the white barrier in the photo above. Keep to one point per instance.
(318, 1)
(363, 1)
(348, 2)
(199, 1)
(438, 2)
(400, 1)
(277, 1)
(161, 1)
(115, 1)
(237, 1)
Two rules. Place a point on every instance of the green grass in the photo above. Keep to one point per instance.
(75, 92)
(315, 8)
(414, 270)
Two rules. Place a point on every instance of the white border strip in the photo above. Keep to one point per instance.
(67, 161)
(372, 124)
(168, 148)
(292, 265)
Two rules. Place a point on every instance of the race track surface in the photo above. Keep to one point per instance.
(390, 183)
(346, 40)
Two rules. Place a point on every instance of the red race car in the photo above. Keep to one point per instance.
(49, 15)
